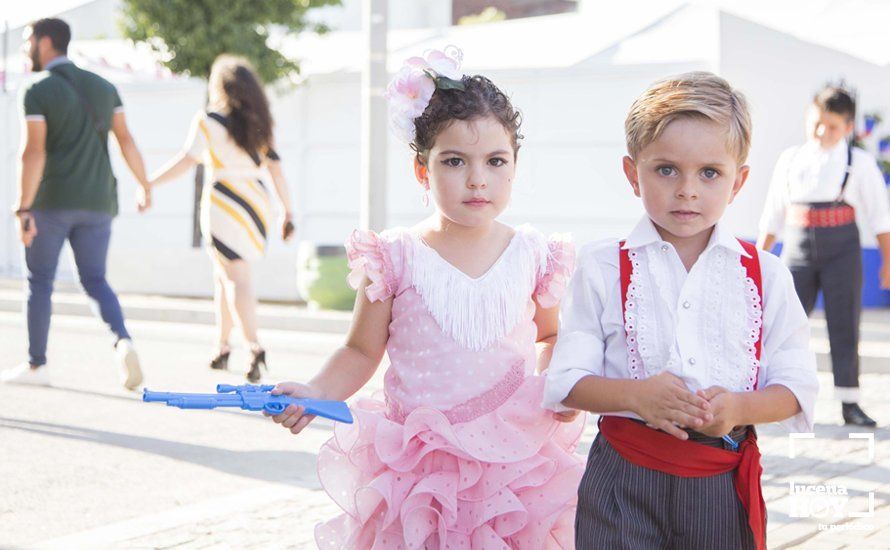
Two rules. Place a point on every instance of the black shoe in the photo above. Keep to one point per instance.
(221, 361)
(855, 416)
(259, 360)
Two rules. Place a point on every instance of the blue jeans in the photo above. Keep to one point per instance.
(89, 234)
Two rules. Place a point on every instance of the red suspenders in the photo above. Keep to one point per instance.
(751, 265)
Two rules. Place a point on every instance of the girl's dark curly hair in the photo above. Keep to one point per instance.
(236, 84)
(479, 98)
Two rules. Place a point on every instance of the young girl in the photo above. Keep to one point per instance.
(460, 453)
(234, 139)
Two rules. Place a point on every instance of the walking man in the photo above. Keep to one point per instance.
(67, 192)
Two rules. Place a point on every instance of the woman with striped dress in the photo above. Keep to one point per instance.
(233, 140)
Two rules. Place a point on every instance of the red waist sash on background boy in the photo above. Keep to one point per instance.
(665, 453)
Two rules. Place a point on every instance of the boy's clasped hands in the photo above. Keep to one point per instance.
(664, 402)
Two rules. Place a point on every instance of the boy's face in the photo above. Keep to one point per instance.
(826, 127)
(686, 178)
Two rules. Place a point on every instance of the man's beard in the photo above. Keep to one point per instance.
(35, 62)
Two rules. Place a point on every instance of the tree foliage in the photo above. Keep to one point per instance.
(189, 34)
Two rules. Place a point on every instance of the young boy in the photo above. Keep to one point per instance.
(682, 338)
(817, 190)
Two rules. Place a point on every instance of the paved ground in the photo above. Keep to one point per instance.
(88, 465)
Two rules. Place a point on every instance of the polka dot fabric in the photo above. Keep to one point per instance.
(457, 451)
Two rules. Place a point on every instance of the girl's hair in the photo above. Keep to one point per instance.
(835, 99)
(479, 98)
(241, 92)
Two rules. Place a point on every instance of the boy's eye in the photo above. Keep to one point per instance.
(665, 171)
(454, 162)
(497, 161)
(710, 173)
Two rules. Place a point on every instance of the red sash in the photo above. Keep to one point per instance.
(665, 453)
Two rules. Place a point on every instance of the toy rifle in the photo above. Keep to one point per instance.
(251, 398)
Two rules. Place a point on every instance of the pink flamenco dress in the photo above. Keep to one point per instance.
(458, 453)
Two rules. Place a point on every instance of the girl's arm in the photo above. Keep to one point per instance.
(282, 190)
(547, 321)
(350, 367)
(176, 167)
(354, 363)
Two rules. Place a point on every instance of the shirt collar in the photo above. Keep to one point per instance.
(645, 234)
(812, 146)
(56, 61)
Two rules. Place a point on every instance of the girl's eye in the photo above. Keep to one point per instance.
(710, 173)
(666, 171)
(497, 161)
(454, 162)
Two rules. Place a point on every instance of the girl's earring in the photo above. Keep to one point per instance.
(426, 197)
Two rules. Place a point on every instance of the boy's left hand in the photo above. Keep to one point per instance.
(724, 408)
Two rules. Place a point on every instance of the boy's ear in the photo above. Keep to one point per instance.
(421, 172)
(740, 178)
(630, 171)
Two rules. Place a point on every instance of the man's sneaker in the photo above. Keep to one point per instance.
(25, 375)
(128, 363)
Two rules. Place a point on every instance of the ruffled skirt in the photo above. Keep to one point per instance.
(505, 479)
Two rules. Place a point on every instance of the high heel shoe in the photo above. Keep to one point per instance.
(221, 361)
(258, 361)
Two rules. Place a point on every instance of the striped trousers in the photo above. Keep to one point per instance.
(625, 506)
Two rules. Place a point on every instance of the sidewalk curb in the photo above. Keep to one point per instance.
(188, 310)
(874, 348)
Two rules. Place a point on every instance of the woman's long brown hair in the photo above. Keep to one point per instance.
(236, 84)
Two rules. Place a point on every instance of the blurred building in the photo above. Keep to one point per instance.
(573, 75)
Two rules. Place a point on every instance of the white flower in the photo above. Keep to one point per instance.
(411, 89)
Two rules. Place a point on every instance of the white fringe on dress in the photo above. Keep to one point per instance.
(478, 312)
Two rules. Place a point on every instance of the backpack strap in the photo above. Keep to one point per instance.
(101, 133)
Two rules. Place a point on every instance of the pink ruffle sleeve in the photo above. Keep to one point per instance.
(369, 254)
(560, 265)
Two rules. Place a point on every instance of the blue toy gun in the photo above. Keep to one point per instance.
(251, 398)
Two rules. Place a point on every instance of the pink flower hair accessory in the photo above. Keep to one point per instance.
(411, 89)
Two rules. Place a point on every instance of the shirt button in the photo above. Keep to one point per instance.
(664, 248)
(686, 305)
(692, 360)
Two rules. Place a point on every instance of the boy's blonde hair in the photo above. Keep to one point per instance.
(698, 95)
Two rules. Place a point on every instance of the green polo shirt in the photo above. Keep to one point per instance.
(78, 172)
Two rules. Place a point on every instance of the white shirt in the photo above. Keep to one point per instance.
(808, 173)
(700, 325)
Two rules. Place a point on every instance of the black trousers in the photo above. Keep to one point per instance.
(830, 259)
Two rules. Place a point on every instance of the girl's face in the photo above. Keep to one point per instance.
(470, 171)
